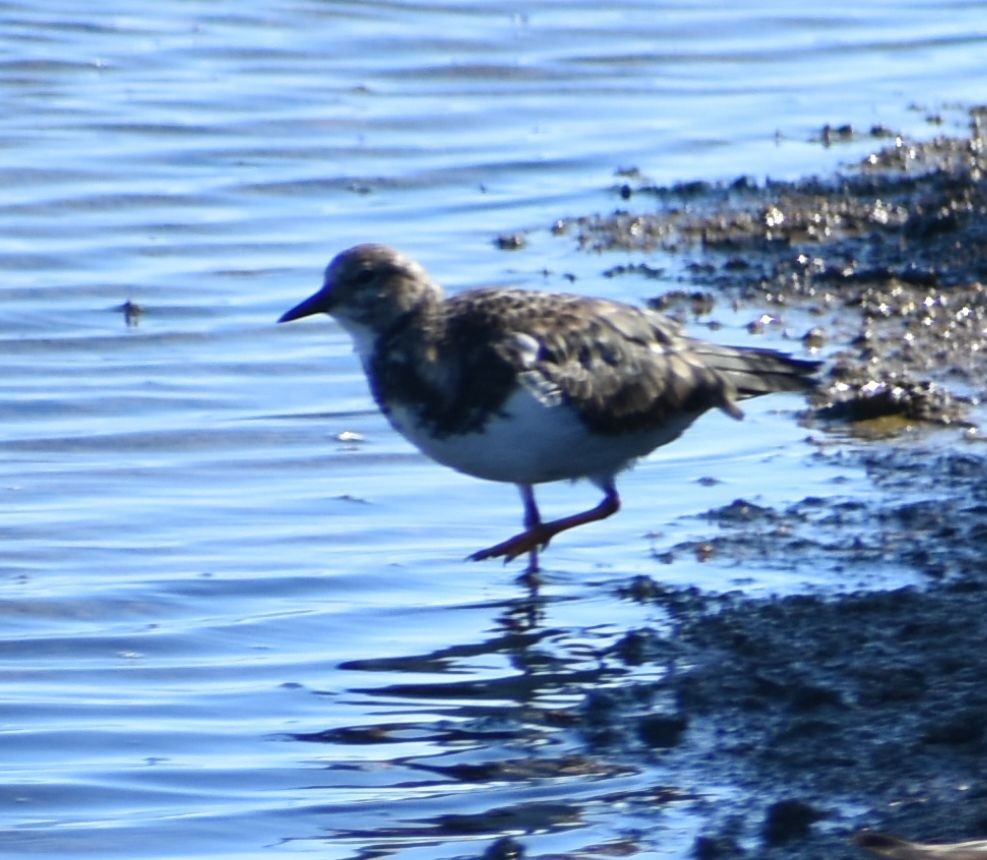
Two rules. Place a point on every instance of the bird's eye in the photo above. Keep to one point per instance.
(363, 277)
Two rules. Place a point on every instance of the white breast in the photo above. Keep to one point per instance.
(532, 442)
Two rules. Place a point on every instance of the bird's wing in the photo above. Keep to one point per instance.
(625, 370)
(621, 368)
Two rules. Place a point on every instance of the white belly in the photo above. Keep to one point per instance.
(532, 442)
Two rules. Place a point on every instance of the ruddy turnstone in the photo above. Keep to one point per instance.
(526, 387)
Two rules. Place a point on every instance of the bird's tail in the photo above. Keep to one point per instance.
(753, 371)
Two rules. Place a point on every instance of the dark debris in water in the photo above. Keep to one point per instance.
(642, 269)
(696, 302)
(132, 313)
(788, 820)
(854, 396)
(511, 241)
(506, 848)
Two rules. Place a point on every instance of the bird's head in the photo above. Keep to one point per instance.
(367, 289)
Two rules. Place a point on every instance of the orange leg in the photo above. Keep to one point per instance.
(537, 534)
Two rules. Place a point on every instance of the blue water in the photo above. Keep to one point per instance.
(229, 630)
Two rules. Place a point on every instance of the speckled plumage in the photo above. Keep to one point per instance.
(529, 387)
(619, 368)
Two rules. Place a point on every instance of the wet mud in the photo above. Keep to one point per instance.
(857, 710)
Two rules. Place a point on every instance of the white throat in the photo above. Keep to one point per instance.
(364, 337)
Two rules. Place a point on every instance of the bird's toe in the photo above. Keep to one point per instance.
(525, 542)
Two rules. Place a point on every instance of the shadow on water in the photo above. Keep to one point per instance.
(529, 750)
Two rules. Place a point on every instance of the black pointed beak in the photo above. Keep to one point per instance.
(314, 304)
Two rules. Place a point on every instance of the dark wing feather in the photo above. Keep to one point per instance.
(753, 371)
